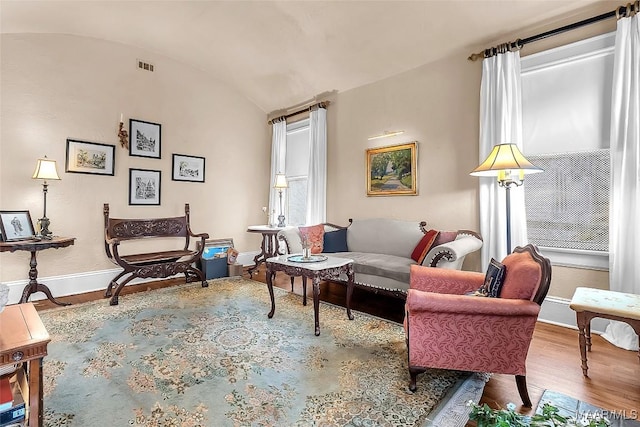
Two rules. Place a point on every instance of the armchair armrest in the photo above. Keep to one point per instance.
(452, 251)
(444, 281)
(418, 301)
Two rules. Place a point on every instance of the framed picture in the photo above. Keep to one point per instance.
(144, 187)
(144, 138)
(187, 168)
(16, 225)
(90, 157)
(391, 171)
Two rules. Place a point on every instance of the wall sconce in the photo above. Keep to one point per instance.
(281, 183)
(123, 135)
(386, 134)
(504, 161)
(45, 169)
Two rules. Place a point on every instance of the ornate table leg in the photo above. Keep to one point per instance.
(582, 328)
(270, 275)
(316, 303)
(349, 291)
(261, 257)
(304, 290)
(33, 286)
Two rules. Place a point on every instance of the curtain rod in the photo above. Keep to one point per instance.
(323, 104)
(618, 13)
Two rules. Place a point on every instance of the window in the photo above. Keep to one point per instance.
(566, 103)
(297, 171)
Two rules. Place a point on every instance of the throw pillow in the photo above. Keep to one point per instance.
(493, 279)
(423, 246)
(315, 234)
(335, 241)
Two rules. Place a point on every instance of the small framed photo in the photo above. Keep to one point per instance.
(16, 225)
(187, 168)
(145, 138)
(90, 157)
(144, 187)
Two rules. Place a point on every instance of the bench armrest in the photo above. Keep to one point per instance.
(450, 254)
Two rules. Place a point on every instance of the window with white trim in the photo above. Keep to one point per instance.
(297, 171)
(566, 112)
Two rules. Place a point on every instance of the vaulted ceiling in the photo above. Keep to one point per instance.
(282, 53)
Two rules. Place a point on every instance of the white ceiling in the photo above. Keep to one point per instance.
(283, 53)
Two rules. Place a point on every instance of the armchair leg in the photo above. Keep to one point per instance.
(413, 374)
(521, 382)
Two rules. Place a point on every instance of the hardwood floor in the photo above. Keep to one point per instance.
(553, 362)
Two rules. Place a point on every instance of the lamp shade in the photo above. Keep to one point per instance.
(281, 181)
(505, 157)
(45, 169)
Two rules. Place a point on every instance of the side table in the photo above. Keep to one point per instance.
(331, 268)
(269, 246)
(34, 246)
(24, 339)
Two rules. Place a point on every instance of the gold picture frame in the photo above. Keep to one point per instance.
(392, 170)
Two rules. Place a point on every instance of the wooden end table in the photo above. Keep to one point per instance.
(269, 246)
(329, 269)
(34, 246)
(24, 339)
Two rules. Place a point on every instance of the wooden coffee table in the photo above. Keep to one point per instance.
(327, 269)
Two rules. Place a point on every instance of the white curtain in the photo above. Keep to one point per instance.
(624, 217)
(317, 178)
(278, 157)
(500, 123)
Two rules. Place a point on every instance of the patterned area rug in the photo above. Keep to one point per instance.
(190, 356)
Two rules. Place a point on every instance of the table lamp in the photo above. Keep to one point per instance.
(45, 169)
(506, 161)
(281, 183)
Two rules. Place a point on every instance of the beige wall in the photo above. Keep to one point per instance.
(56, 87)
(437, 105)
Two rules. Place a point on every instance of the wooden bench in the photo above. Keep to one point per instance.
(589, 303)
(159, 264)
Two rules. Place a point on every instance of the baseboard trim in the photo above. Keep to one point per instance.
(556, 311)
(78, 283)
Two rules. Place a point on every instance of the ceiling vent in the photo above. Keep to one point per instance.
(144, 65)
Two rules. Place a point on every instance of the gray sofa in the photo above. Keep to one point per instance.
(381, 250)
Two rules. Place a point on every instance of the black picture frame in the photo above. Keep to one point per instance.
(144, 187)
(16, 225)
(145, 139)
(90, 158)
(187, 168)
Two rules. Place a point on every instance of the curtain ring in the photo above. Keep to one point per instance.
(620, 14)
(518, 43)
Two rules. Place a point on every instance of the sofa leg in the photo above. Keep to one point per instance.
(521, 382)
(413, 374)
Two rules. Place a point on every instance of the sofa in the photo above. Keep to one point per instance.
(383, 249)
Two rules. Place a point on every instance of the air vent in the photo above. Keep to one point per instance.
(144, 65)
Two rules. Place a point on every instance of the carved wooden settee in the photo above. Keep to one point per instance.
(152, 264)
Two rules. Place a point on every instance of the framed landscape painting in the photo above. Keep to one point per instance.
(144, 187)
(391, 171)
(187, 168)
(144, 138)
(90, 157)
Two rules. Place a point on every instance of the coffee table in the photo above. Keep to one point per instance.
(327, 269)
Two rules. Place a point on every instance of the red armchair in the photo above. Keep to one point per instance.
(447, 329)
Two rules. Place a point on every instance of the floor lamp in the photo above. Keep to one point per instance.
(45, 169)
(510, 166)
(280, 185)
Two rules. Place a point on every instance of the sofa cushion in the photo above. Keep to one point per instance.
(384, 236)
(315, 234)
(335, 241)
(391, 266)
(424, 246)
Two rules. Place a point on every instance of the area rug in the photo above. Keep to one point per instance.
(190, 356)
